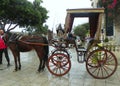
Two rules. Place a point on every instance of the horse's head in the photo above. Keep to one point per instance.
(10, 37)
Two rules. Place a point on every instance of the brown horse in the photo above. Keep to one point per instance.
(18, 43)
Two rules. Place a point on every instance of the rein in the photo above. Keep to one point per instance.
(29, 43)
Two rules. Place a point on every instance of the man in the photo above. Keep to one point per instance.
(3, 48)
(60, 33)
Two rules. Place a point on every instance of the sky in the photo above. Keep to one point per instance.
(57, 10)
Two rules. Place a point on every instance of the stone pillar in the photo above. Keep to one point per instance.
(117, 30)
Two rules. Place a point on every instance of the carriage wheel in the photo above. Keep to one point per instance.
(61, 51)
(59, 64)
(101, 64)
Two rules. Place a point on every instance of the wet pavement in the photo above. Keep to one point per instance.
(28, 76)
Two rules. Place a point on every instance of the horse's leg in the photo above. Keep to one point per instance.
(15, 60)
(15, 53)
(43, 64)
(19, 61)
(40, 64)
(45, 56)
(40, 53)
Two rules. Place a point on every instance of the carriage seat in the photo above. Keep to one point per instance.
(88, 43)
(81, 49)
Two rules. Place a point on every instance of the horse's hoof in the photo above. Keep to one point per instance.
(42, 70)
(38, 71)
(19, 68)
(8, 65)
(15, 70)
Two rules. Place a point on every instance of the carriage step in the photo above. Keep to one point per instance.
(81, 61)
(81, 50)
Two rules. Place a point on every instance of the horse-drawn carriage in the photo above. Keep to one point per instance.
(100, 62)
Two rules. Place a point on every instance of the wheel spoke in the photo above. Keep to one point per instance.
(60, 71)
(59, 64)
(101, 64)
(108, 68)
(105, 70)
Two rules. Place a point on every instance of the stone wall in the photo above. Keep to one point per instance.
(117, 37)
(117, 30)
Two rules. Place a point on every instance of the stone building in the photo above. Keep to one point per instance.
(115, 27)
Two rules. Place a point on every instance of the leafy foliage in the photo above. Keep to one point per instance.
(112, 7)
(22, 13)
(81, 30)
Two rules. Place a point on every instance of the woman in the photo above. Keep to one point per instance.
(3, 48)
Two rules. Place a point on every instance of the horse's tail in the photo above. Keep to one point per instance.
(46, 48)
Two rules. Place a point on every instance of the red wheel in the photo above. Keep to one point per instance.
(101, 64)
(59, 64)
(61, 51)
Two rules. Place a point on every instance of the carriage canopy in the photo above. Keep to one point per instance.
(95, 16)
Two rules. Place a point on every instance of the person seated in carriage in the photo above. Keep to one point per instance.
(60, 32)
(66, 38)
(71, 36)
(62, 35)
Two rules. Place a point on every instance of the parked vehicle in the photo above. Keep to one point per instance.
(100, 62)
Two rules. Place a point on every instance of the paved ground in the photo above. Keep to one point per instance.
(28, 76)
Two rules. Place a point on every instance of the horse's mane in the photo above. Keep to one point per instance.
(14, 36)
(28, 38)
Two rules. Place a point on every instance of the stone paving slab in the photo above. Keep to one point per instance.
(28, 76)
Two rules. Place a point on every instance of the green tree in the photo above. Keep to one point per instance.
(22, 13)
(81, 30)
(44, 28)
